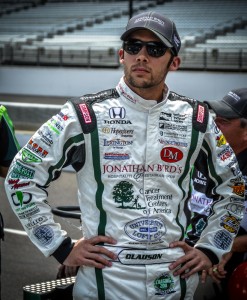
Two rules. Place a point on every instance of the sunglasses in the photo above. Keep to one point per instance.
(154, 49)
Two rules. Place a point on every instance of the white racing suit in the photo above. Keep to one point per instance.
(133, 159)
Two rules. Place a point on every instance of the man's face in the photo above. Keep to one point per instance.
(232, 131)
(141, 70)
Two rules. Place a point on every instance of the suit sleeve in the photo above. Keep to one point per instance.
(225, 186)
(57, 143)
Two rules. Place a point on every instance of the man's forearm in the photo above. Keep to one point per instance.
(240, 244)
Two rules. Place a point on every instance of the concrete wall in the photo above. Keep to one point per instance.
(50, 81)
(44, 81)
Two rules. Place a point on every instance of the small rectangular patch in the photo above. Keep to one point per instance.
(85, 113)
(200, 114)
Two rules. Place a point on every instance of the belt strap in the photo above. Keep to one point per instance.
(130, 256)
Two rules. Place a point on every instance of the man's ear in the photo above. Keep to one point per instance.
(175, 63)
(121, 55)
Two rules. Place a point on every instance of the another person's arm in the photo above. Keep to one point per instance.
(226, 185)
(9, 145)
(218, 272)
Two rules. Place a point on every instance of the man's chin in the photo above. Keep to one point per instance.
(140, 83)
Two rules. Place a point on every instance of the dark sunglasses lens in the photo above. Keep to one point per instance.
(132, 47)
(153, 49)
(156, 50)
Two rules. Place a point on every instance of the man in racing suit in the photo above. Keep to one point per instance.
(132, 148)
(231, 119)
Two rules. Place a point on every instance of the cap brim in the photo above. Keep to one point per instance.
(125, 35)
(222, 109)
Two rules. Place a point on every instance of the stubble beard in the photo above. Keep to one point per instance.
(141, 83)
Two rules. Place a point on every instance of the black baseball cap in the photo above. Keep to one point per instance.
(233, 105)
(161, 26)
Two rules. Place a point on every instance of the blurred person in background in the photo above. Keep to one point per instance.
(231, 119)
(9, 145)
(132, 147)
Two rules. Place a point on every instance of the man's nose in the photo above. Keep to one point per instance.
(143, 55)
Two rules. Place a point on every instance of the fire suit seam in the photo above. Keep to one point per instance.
(210, 164)
(183, 288)
(194, 141)
(100, 284)
(98, 200)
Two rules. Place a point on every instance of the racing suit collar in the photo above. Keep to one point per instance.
(132, 97)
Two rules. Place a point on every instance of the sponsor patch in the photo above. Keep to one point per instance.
(85, 113)
(230, 223)
(117, 112)
(28, 213)
(226, 153)
(116, 143)
(164, 284)
(44, 234)
(119, 132)
(200, 225)
(175, 127)
(222, 239)
(16, 185)
(200, 114)
(177, 118)
(116, 156)
(21, 171)
(140, 170)
(126, 95)
(20, 198)
(25, 207)
(236, 208)
(123, 194)
(173, 143)
(220, 140)
(34, 147)
(238, 189)
(171, 154)
(63, 116)
(199, 203)
(46, 136)
(29, 157)
(150, 229)
(55, 126)
(35, 222)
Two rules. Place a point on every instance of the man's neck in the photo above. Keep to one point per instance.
(156, 93)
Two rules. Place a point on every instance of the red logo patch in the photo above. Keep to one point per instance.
(200, 114)
(171, 154)
(85, 113)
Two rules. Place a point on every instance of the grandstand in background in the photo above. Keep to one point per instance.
(86, 33)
